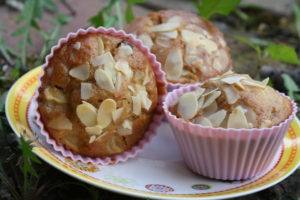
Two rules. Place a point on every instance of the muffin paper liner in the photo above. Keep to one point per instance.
(149, 134)
(228, 154)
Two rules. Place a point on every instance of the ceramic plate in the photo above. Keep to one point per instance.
(158, 172)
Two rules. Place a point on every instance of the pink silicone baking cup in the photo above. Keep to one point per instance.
(149, 134)
(227, 154)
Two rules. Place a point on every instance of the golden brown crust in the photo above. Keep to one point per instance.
(205, 64)
(69, 56)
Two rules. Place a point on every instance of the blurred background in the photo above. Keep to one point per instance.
(264, 37)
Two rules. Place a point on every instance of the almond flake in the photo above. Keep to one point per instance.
(239, 85)
(253, 83)
(105, 59)
(251, 116)
(163, 42)
(203, 121)
(176, 19)
(81, 72)
(174, 64)
(60, 123)
(265, 124)
(104, 115)
(237, 119)
(131, 89)
(146, 39)
(266, 81)
(232, 79)
(119, 82)
(146, 102)
(200, 102)
(92, 139)
(104, 81)
(123, 66)
(190, 37)
(86, 90)
(125, 50)
(193, 60)
(187, 105)
(94, 130)
(211, 98)
(199, 91)
(77, 45)
(209, 45)
(54, 94)
(136, 104)
(165, 27)
(170, 34)
(217, 118)
(126, 128)
(87, 114)
(100, 45)
(117, 114)
(212, 108)
(230, 94)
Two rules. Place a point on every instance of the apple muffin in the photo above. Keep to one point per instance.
(98, 95)
(190, 48)
(233, 101)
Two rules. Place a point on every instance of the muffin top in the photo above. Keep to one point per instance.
(190, 48)
(98, 95)
(233, 101)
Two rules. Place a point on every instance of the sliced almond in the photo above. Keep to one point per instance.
(200, 102)
(239, 85)
(170, 34)
(199, 91)
(230, 94)
(77, 45)
(190, 37)
(106, 59)
(209, 92)
(209, 45)
(125, 128)
(211, 98)
(104, 81)
(176, 19)
(87, 114)
(203, 121)
(81, 72)
(217, 118)
(94, 130)
(100, 45)
(193, 60)
(86, 90)
(232, 79)
(60, 123)
(130, 87)
(266, 123)
(253, 83)
(125, 50)
(54, 94)
(174, 64)
(165, 27)
(185, 72)
(117, 114)
(163, 42)
(251, 116)
(146, 102)
(104, 115)
(237, 119)
(187, 105)
(146, 39)
(92, 139)
(136, 104)
(146, 78)
(123, 66)
(266, 81)
(119, 82)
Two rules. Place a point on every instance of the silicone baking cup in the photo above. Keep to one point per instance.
(227, 154)
(149, 134)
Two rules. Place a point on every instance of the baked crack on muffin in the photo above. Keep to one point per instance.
(190, 48)
(98, 95)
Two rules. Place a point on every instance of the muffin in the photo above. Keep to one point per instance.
(190, 48)
(99, 92)
(230, 127)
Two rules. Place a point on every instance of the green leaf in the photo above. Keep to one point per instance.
(208, 8)
(28, 158)
(249, 43)
(99, 19)
(20, 30)
(283, 53)
(50, 5)
(291, 87)
(27, 11)
(35, 25)
(129, 14)
(296, 10)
